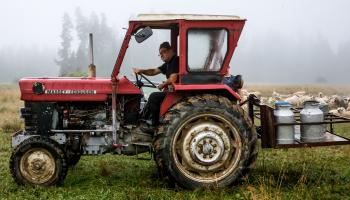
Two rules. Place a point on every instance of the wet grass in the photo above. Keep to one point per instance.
(307, 173)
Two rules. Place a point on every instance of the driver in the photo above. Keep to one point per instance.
(170, 69)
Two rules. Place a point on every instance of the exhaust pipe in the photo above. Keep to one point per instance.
(92, 67)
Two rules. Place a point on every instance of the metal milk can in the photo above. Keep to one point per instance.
(284, 114)
(311, 113)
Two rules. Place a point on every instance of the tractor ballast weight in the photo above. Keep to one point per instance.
(205, 138)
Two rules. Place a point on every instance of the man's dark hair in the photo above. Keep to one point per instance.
(165, 45)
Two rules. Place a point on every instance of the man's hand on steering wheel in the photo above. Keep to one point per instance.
(161, 86)
(138, 72)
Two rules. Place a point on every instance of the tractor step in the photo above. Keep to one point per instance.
(144, 144)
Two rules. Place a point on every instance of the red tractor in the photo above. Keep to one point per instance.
(205, 138)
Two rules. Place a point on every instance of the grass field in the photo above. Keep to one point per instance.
(308, 173)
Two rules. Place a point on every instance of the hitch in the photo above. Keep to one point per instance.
(252, 101)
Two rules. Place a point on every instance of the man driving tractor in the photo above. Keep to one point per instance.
(170, 69)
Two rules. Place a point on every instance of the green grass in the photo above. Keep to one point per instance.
(307, 173)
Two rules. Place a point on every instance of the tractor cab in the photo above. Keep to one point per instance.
(204, 43)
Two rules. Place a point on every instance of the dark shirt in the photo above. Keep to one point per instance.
(170, 67)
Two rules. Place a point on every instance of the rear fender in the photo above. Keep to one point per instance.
(170, 99)
(181, 91)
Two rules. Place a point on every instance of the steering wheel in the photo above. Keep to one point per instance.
(139, 82)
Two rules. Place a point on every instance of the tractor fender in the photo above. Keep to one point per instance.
(181, 91)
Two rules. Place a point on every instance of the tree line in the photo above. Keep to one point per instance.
(73, 60)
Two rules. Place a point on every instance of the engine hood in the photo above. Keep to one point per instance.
(73, 89)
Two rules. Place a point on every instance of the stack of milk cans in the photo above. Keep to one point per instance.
(310, 113)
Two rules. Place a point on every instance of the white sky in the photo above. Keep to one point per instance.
(38, 22)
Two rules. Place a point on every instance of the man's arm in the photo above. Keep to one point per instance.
(148, 72)
(172, 79)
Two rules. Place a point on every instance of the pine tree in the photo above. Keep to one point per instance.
(82, 29)
(65, 61)
(107, 47)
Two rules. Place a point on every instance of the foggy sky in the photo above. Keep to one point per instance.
(26, 23)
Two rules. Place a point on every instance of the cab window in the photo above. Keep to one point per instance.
(206, 49)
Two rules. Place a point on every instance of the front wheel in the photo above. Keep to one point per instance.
(73, 158)
(205, 142)
(38, 161)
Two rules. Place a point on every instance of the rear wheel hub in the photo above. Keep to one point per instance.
(207, 147)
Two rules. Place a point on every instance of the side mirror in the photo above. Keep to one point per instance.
(143, 34)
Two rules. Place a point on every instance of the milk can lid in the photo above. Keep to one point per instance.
(311, 103)
(282, 104)
(278, 103)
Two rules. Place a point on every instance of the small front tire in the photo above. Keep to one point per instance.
(38, 161)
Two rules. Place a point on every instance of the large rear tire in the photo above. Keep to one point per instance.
(38, 161)
(205, 141)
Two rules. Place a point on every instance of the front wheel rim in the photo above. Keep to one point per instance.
(38, 166)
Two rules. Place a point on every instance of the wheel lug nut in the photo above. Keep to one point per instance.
(214, 151)
(210, 156)
(214, 145)
(210, 141)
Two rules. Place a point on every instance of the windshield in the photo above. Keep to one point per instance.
(144, 55)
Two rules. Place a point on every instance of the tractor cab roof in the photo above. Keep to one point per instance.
(165, 21)
(194, 17)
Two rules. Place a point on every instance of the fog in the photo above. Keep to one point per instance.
(285, 41)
